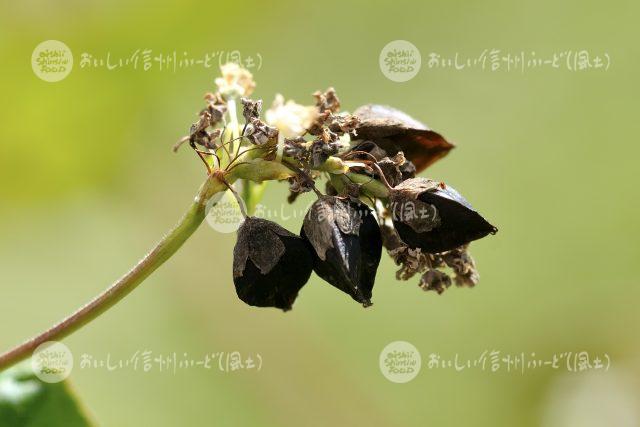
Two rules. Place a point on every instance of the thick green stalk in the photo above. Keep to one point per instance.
(165, 248)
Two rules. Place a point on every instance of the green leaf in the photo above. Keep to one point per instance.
(26, 401)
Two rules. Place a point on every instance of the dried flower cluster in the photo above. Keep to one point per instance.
(373, 198)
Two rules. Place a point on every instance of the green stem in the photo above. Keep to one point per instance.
(370, 186)
(233, 123)
(165, 248)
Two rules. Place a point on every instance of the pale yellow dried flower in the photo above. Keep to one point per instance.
(235, 81)
(290, 118)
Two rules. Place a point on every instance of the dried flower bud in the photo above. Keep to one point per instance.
(327, 136)
(251, 109)
(435, 217)
(216, 106)
(270, 264)
(411, 261)
(296, 148)
(321, 151)
(217, 113)
(198, 133)
(391, 168)
(345, 243)
(343, 123)
(259, 133)
(301, 183)
(435, 280)
(318, 125)
(463, 266)
(204, 121)
(396, 131)
(327, 101)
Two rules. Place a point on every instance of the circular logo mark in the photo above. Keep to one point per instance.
(52, 362)
(400, 61)
(52, 60)
(400, 362)
(223, 213)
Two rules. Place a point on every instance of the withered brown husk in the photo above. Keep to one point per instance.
(327, 100)
(217, 107)
(415, 261)
(345, 243)
(463, 265)
(259, 133)
(411, 260)
(396, 168)
(394, 131)
(392, 168)
(435, 280)
(251, 109)
(270, 264)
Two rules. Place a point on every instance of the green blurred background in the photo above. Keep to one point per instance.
(88, 183)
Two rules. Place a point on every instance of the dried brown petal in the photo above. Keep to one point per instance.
(217, 107)
(343, 123)
(204, 121)
(396, 131)
(435, 280)
(327, 101)
(463, 266)
(321, 151)
(318, 124)
(301, 183)
(251, 109)
(391, 168)
(260, 133)
(296, 148)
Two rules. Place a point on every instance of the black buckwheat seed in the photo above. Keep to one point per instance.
(435, 217)
(270, 264)
(345, 242)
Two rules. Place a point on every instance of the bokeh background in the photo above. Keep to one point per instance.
(88, 183)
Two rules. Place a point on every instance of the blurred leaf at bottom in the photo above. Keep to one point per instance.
(26, 401)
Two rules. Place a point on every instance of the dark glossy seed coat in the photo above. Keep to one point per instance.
(457, 222)
(270, 264)
(344, 255)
